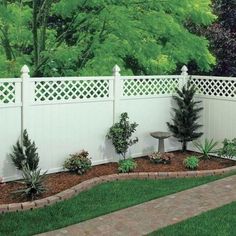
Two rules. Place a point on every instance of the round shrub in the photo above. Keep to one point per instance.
(191, 162)
(78, 162)
(127, 165)
(161, 157)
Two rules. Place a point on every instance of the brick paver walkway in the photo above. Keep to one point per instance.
(147, 217)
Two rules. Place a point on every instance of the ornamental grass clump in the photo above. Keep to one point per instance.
(206, 148)
(78, 162)
(33, 182)
(120, 134)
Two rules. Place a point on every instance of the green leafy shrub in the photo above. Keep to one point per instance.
(127, 165)
(33, 182)
(191, 162)
(184, 124)
(120, 134)
(78, 162)
(206, 148)
(26, 154)
(228, 149)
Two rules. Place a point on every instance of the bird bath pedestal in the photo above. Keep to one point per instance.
(161, 136)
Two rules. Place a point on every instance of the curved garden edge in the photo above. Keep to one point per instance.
(85, 185)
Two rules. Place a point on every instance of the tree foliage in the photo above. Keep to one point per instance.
(184, 124)
(79, 37)
(222, 36)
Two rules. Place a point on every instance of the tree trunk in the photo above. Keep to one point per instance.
(35, 34)
(184, 146)
(5, 39)
(6, 44)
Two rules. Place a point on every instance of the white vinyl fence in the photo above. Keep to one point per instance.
(66, 115)
(218, 96)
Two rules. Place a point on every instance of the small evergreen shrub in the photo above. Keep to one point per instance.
(120, 134)
(229, 148)
(184, 124)
(33, 182)
(206, 148)
(191, 162)
(26, 154)
(127, 165)
(78, 162)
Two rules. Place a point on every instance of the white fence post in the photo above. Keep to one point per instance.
(25, 93)
(116, 92)
(184, 73)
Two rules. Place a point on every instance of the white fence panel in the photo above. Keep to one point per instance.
(218, 95)
(219, 118)
(10, 126)
(148, 101)
(63, 129)
(151, 114)
(10, 122)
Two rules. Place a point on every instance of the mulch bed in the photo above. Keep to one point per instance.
(58, 182)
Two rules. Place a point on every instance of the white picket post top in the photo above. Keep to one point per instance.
(25, 71)
(184, 79)
(184, 70)
(116, 92)
(116, 70)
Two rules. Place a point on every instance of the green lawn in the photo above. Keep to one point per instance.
(100, 200)
(217, 222)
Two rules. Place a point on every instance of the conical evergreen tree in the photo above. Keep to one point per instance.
(184, 122)
(26, 154)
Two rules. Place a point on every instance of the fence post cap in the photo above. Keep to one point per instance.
(184, 70)
(25, 69)
(116, 70)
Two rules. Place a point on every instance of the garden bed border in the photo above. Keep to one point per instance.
(85, 185)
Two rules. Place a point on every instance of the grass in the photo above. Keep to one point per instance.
(217, 222)
(100, 200)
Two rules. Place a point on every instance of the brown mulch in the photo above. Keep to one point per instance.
(58, 182)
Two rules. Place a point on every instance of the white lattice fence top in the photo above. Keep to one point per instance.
(213, 86)
(63, 90)
(149, 86)
(7, 92)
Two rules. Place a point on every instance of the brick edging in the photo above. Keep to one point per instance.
(85, 185)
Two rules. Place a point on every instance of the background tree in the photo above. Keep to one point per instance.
(184, 124)
(222, 38)
(81, 37)
(15, 37)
